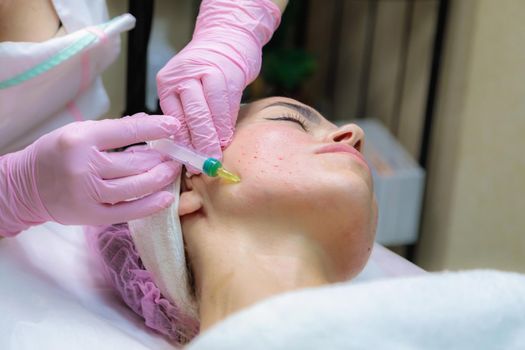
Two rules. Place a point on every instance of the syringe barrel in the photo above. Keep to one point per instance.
(178, 152)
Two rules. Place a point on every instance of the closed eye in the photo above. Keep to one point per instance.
(295, 118)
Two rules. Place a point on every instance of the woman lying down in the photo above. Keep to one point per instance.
(303, 216)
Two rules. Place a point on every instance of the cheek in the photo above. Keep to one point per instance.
(279, 171)
(267, 154)
(270, 161)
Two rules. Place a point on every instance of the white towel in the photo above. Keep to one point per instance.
(159, 242)
(466, 310)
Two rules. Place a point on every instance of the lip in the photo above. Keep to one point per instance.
(342, 148)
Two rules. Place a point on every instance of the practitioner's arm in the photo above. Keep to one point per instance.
(28, 20)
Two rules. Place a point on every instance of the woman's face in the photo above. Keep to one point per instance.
(301, 172)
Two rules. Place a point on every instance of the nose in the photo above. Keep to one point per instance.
(350, 134)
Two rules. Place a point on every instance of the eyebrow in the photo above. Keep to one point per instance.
(306, 112)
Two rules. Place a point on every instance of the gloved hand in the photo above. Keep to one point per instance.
(202, 85)
(68, 177)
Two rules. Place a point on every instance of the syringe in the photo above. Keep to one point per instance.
(209, 166)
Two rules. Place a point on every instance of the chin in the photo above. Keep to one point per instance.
(348, 225)
(350, 193)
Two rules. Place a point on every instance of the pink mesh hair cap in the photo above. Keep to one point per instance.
(123, 251)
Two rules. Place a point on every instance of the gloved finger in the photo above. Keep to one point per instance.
(131, 187)
(204, 137)
(136, 209)
(171, 106)
(132, 161)
(217, 95)
(114, 133)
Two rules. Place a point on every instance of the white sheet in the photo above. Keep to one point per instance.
(478, 310)
(53, 297)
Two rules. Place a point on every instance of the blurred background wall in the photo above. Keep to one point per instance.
(373, 59)
(173, 22)
(474, 214)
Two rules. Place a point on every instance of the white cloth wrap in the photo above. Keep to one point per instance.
(465, 310)
(160, 244)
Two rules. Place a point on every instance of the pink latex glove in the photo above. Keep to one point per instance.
(202, 85)
(68, 177)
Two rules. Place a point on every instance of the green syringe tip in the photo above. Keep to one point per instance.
(213, 167)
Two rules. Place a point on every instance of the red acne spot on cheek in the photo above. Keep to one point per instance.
(255, 157)
(280, 158)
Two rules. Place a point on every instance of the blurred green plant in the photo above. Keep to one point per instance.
(287, 69)
(286, 64)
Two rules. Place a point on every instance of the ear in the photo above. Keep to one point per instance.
(190, 200)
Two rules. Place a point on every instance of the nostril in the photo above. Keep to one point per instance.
(343, 137)
(358, 145)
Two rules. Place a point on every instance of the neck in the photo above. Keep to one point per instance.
(250, 266)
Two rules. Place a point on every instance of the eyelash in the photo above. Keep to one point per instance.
(296, 118)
